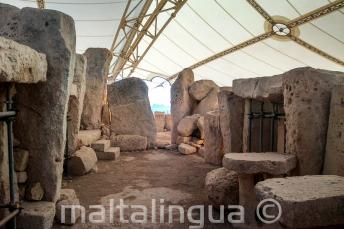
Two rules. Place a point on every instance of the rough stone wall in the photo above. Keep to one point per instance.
(334, 157)
(307, 93)
(181, 102)
(213, 143)
(76, 103)
(232, 108)
(130, 109)
(41, 123)
(98, 62)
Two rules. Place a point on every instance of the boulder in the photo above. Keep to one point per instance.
(222, 187)
(98, 61)
(200, 125)
(38, 215)
(129, 142)
(76, 103)
(307, 94)
(334, 156)
(262, 88)
(213, 143)
(188, 125)
(82, 162)
(201, 88)
(306, 201)
(181, 102)
(186, 149)
(21, 159)
(232, 114)
(130, 109)
(20, 63)
(168, 122)
(159, 118)
(87, 137)
(41, 124)
(67, 198)
(209, 103)
(34, 192)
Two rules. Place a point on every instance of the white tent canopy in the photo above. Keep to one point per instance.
(203, 28)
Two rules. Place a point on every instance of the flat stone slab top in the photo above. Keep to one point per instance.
(253, 163)
(306, 201)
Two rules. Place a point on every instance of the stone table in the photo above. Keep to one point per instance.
(249, 164)
(306, 201)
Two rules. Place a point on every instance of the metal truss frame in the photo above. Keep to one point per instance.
(132, 30)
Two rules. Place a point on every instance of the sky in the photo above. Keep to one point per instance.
(159, 94)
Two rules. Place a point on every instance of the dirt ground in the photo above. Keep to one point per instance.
(139, 177)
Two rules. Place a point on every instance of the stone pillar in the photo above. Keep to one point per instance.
(41, 124)
(98, 62)
(307, 93)
(76, 103)
(334, 157)
(181, 102)
(232, 109)
(213, 144)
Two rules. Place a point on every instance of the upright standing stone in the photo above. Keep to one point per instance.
(307, 93)
(334, 157)
(76, 103)
(41, 123)
(181, 102)
(98, 62)
(232, 109)
(130, 109)
(213, 144)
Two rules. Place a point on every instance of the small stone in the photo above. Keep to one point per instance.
(171, 147)
(21, 177)
(38, 215)
(82, 161)
(186, 149)
(21, 159)
(129, 142)
(34, 192)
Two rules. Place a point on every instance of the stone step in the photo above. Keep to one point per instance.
(101, 145)
(87, 137)
(111, 153)
(38, 215)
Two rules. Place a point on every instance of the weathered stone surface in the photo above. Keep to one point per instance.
(67, 198)
(101, 145)
(181, 102)
(306, 201)
(129, 142)
(159, 118)
(188, 125)
(87, 137)
(307, 94)
(181, 139)
(213, 152)
(38, 215)
(201, 88)
(168, 122)
(20, 63)
(21, 177)
(106, 115)
(261, 88)
(21, 159)
(200, 125)
(186, 149)
(222, 186)
(82, 162)
(130, 109)
(252, 163)
(111, 153)
(98, 61)
(232, 109)
(34, 192)
(201, 151)
(76, 103)
(334, 157)
(40, 125)
(209, 103)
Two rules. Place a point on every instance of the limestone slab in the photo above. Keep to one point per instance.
(129, 142)
(87, 137)
(39, 215)
(213, 143)
(101, 145)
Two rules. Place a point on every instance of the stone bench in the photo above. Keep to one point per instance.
(306, 201)
(249, 164)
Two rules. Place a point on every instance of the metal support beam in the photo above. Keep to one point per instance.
(40, 4)
(132, 51)
(261, 11)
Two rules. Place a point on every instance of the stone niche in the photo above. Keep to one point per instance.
(40, 125)
(130, 109)
(299, 100)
